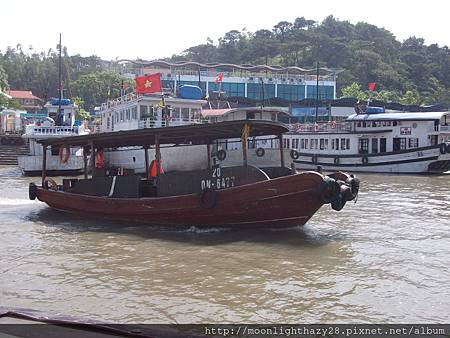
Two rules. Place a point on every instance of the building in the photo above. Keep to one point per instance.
(246, 81)
(32, 104)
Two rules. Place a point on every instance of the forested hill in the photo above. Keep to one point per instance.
(409, 71)
(366, 52)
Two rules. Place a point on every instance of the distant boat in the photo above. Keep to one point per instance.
(237, 196)
(375, 141)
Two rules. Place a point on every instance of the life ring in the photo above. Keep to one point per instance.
(443, 148)
(294, 154)
(365, 160)
(64, 155)
(336, 160)
(32, 191)
(221, 154)
(260, 152)
(314, 159)
(208, 198)
(333, 124)
(50, 184)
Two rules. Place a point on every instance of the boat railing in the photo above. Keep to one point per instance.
(120, 100)
(54, 130)
(330, 127)
(156, 123)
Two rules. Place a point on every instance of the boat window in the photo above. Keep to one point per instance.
(302, 143)
(121, 115)
(306, 143)
(332, 143)
(374, 145)
(176, 113)
(311, 146)
(322, 144)
(364, 124)
(128, 114)
(316, 144)
(326, 143)
(394, 123)
(343, 143)
(55, 150)
(195, 113)
(363, 146)
(250, 115)
(347, 141)
(399, 143)
(134, 113)
(185, 114)
(143, 111)
(359, 124)
(382, 145)
(413, 142)
(337, 144)
(273, 117)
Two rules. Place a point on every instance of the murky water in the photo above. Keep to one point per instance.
(383, 259)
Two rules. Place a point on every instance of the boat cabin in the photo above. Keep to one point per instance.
(131, 112)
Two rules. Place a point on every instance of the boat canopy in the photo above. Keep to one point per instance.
(425, 116)
(190, 134)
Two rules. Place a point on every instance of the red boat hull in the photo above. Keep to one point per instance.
(282, 202)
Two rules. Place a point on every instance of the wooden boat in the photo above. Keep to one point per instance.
(241, 196)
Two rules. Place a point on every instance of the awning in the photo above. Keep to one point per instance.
(190, 134)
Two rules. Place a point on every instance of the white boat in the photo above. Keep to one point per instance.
(72, 163)
(375, 141)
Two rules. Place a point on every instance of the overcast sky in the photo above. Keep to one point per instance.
(153, 29)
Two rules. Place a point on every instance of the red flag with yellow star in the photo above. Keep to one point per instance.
(148, 84)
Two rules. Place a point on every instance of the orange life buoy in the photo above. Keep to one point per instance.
(99, 159)
(153, 168)
(333, 124)
(64, 156)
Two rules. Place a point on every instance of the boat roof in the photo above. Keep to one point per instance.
(400, 116)
(190, 134)
(226, 111)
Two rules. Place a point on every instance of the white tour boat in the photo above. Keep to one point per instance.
(58, 161)
(375, 141)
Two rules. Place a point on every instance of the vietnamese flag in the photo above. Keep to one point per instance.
(148, 84)
(219, 78)
(372, 86)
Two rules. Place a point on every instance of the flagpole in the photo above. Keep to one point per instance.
(60, 83)
(317, 91)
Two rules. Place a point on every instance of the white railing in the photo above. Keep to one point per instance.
(330, 127)
(53, 130)
(152, 123)
(113, 103)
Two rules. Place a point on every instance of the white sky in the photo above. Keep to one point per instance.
(153, 29)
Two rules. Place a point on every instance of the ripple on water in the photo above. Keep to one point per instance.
(383, 259)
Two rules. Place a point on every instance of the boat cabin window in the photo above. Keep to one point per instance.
(399, 143)
(306, 143)
(250, 115)
(363, 146)
(134, 113)
(374, 145)
(343, 144)
(382, 145)
(394, 123)
(176, 113)
(143, 111)
(302, 143)
(413, 142)
(185, 114)
(55, 150)
(348, 143)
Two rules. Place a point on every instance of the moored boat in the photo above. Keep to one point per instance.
(238, 196)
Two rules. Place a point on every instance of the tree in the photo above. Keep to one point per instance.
(354, 90)
(81, 113)
(3, 79)
(411, 97)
